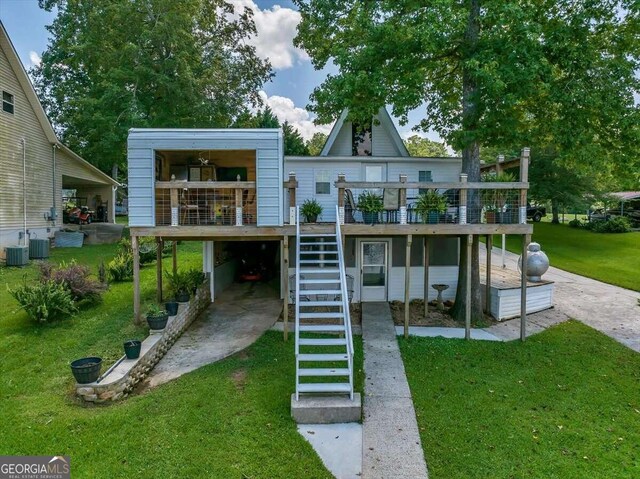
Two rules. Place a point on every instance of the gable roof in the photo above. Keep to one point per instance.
(27, 87)
(385, 121)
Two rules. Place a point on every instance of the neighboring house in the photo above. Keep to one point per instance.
(35, 167)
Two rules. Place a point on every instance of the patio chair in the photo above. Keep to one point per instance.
(292, 290)
(391, 204)
(350, 283)
(349, 206)
(190, 209)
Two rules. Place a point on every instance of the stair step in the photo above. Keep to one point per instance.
(320, 303)
(323, 372)
(322, 341)
(317, 235)
(320, 270)
(321, 315)
(318, 261)
(324, 388)
(322, 357)
(327, 243)
(304, 292)
(321, 328)
(320, 281)
(331, 252)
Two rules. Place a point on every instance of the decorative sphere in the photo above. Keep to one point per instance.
(537, 263)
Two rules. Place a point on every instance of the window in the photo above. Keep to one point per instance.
(423, 177)
(7, 102)
(361, 139)
(323, 185)
(374, 173)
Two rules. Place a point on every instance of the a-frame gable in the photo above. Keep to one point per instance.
(385, 138)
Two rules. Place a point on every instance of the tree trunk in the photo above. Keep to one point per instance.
(470, 166)
(555, 207)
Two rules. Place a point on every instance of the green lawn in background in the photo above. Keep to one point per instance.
(227, 420)
(608, 257)
(564, 404)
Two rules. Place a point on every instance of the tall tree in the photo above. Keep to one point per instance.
(294, 144)
(419, 146)
(481, 68)
(119, 64)
(316, 143)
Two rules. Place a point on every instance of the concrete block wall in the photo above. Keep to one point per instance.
(125, 376)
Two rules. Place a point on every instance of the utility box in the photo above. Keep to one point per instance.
(38, 248)
(17, 255)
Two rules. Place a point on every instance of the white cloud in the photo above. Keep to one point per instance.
(34, 58)
(276, 29)
(285, 110)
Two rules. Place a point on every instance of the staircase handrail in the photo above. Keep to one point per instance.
(343, 288)
(297, 293)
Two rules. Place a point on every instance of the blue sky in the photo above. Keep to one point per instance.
(288, 93)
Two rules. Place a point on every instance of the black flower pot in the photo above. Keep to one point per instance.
(182, 297)
(370, 218)
(311, 218)
(171, 307)
(158, 321)
(132, 348)
(86, 370)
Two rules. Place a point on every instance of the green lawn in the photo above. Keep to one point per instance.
(564, 404)
(612, 258)
(227, 420)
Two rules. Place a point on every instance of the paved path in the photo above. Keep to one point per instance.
(610, 309)
(391, 441)
(235, 321)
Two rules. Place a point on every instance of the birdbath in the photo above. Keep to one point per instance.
(440, 288)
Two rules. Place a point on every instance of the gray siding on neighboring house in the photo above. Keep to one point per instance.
(269, 166)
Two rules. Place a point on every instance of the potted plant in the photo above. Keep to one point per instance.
(195, 278)
(178, 285)
(86, 370)
(370, 204)
(490, 214)
(156, 318)
(171, 307)
(311, 209)
(132, 348)
(430, 206)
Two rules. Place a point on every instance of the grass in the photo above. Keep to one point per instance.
(564, 404)
(608, 257)
(227, 420)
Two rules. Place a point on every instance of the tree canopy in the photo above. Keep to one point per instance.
(316, 143)
(115, 65)
(419, 146)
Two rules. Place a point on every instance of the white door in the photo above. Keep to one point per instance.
(374, 257)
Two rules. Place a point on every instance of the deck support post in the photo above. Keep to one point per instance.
(292, 184)
(526, 239)
(487, 291)
(137, 317)
(159, 247)
(285, 269)
(402, 198)
(467, 311)
(341, 179)
(407, 286)
(174, 254)
(426, 275)
(238, 207)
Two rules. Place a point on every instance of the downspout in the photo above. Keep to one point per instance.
(52, 214)
(24, 191)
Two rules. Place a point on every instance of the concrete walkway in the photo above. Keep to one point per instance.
(610, 309)
(241, 315)
(391, 441)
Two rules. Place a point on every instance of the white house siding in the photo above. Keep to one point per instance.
(382, 144)
(505, 303)
(342, 146)
(266, 142)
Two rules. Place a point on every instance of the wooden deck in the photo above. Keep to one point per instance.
(503, 278)
(252, 232)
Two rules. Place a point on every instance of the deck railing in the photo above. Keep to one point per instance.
(462, 202)
(206, 203)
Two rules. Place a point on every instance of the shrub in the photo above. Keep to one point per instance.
(44, 301)
(310, 209)
(575, 223)
(75, 277)
(178, 282)
(147, 248)
(195, 278)
(120, 268)
(616, 224)
(369, 202)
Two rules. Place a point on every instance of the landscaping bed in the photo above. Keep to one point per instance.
(562, 404)
(435, 316)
